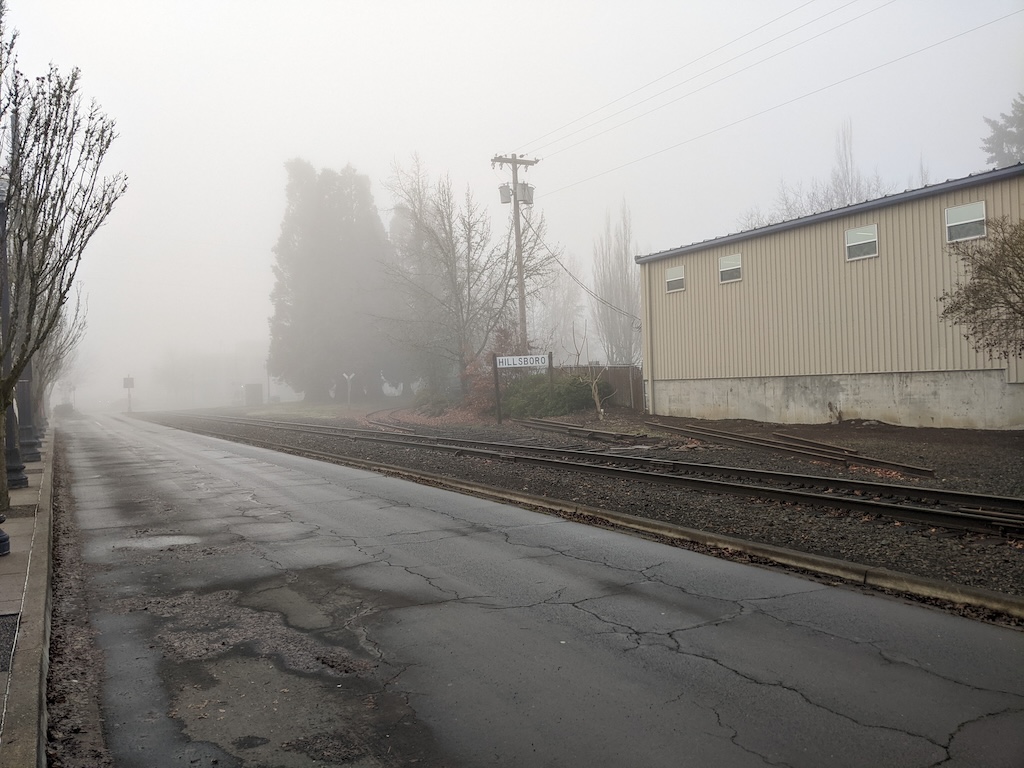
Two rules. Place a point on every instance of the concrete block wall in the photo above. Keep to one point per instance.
(978, 399)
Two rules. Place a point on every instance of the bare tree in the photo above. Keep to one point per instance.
(988, 300)
(56, 201)
(845, 185)
(557, 307)
(57, 352)
(458, 283)
(616, 305)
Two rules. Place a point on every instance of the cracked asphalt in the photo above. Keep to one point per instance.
(259, 609)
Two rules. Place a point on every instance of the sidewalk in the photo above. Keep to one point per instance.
(25, 619)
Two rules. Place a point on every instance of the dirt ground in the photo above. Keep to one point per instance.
(75, 733)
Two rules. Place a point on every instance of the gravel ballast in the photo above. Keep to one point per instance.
(987, 462)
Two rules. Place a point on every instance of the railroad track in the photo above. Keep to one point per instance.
(550, 425)
(799, 447)
(915, 504)
(385, 420)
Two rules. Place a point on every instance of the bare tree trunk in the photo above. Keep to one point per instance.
(5, 493)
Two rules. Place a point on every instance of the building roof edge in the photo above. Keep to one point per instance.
(972, 180)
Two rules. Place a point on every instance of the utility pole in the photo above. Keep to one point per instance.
(515, 161)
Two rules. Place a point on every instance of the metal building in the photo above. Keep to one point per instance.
(831, 316)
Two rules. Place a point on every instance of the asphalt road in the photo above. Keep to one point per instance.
(260, 609)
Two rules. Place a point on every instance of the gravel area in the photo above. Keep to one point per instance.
(979, 461)
(8, 634)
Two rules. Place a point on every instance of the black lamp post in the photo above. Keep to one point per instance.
(28, 438)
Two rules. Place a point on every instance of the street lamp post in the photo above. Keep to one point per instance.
(28, 438)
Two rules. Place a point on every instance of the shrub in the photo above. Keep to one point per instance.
(534, 396)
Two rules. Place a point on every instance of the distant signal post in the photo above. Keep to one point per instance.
(129, 384)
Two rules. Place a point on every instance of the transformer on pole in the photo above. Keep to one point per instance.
(518, 193)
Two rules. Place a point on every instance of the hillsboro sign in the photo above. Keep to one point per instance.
(519, 361)
(523, 361)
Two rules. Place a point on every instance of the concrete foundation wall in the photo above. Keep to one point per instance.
(963, 399)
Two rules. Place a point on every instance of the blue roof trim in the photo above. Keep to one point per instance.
(974, 180)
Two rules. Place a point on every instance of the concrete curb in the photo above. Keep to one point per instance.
(920, 586)
(882, 578)
(23, 740)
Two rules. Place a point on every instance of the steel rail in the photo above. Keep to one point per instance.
(387, 413)
(820, 454)
(813, 443)
(962, 499)
(719, 544)
(576, 429)
(981, 520)
(385, 425)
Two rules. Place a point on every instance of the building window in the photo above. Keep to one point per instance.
(862, 242)
(675, 279)
(965, 222)
(730, 268)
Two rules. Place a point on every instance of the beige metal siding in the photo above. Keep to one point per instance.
(802, 309)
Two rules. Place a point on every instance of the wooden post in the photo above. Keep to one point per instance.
(551, 373)
(515, 161)
(497, 389)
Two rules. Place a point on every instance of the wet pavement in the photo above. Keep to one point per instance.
(262, 609)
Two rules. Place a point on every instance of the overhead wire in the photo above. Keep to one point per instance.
(700, 74)
(669, 74)
(637, 324)
(637, 321)
(708, 85)
(786, 103)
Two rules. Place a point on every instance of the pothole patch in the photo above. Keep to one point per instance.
(156, 542)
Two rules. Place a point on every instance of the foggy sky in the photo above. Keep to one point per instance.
(211, 97)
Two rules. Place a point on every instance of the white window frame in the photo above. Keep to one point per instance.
(859, 236)
(959, 211)
(677, 275)
(737, 268)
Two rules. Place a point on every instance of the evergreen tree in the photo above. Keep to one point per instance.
(1005, 144)
(328, 285)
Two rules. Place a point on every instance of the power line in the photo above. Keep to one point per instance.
(637, 324)
(708, 85)
(700, 74)
(785, 103)
(668, 74)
